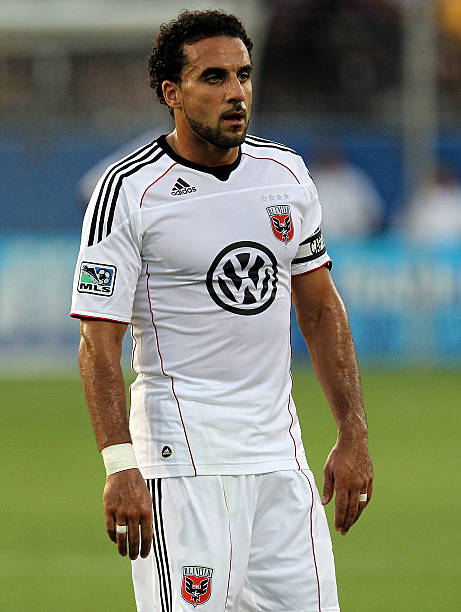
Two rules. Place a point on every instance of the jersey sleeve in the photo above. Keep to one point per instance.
(109, 260)
(312, 253)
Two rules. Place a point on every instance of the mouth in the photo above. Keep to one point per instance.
(235, 118)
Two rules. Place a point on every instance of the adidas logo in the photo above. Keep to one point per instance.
(181, 188)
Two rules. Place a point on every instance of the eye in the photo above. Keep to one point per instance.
(244, 76)
(212, 78)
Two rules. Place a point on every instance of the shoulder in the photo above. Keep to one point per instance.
(126, 178)
(119, 189)
(261, 148)
(131, 165)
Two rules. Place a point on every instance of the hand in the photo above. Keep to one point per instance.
(349, 472)
(127, 501)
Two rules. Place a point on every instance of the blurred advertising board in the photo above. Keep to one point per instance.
(403, 299)
(36, 273)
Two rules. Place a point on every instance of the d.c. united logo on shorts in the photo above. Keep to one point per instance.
(196, 584)
(281, 222)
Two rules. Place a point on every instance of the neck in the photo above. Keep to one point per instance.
(197, 150)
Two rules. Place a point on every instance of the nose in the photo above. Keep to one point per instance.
(235, 90)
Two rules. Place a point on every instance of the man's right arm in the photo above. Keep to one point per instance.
(126, 498)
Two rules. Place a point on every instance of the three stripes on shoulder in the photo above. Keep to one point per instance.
(104, 210)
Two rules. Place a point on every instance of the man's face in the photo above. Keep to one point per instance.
(216, 90)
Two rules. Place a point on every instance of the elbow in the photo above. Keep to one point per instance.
(99, 341)
(87, 352)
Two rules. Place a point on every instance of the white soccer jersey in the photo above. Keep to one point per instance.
(199, 261)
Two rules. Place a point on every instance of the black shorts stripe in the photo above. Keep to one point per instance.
(113, 205)
(163, 540)
(150, 486)
(160, 550)
(261, 142)
(107, 182)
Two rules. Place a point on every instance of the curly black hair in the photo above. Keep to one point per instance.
(168, 57)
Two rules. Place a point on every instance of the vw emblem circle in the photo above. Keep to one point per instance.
(242, 278)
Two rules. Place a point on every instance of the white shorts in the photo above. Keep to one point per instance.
(253, 543)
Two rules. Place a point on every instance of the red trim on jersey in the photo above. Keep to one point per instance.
(163, 371)
(327, 263)
(183, 426)
(83, 316)
(289, 429)
(277, 162)
(157, 179)
(153, 322)
(230, 540)
(312, 540)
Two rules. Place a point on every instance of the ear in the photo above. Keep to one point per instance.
(172, 94)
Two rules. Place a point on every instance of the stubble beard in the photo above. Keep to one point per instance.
(215, 136)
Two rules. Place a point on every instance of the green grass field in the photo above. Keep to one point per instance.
(403, 555)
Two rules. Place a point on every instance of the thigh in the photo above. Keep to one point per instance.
(200, 547)
(291, 566)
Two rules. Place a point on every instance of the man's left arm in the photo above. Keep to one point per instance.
(324, 323)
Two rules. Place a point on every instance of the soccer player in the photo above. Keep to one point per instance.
(199, 240)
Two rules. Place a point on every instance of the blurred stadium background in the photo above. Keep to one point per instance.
(369, 91)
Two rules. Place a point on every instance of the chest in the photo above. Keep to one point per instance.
(187, 236)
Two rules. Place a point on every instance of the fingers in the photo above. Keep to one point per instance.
(121, 538)
(351, 511)
(133, 538)
(370, 489)
(147, 533)
(349, 470)
(346, 509)
(110, 526)
(328, 487)
(140, 533)
(130, 541)
(341, 505)
(349, 507)
(128, 503)
(362, 503)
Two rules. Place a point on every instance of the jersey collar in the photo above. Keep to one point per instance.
(220, 172)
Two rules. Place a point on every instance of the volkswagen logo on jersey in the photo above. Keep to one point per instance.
(243, 278)
(196, 584)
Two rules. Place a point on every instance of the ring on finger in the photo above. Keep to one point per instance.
(120, 528)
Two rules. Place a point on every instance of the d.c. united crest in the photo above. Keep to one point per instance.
(281, 222)
(196, 584)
